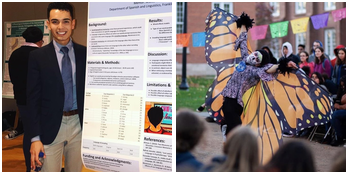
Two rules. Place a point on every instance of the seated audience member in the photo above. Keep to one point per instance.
(330, 85)
(339, 116)
(190, 129)
(318, 79)
(304, 62)
(339, 161)
(307, 70)
(293, 156)
(241, 153)
(333, 61)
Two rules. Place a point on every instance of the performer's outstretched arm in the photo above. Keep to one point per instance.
(241, 42)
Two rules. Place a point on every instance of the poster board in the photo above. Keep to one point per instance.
(128, 72)
(14, 40)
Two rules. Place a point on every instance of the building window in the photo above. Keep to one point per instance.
(330, 42)
(329, 6)
(227, 6)
(275, 48)
(300, 7)
(300, 39)
(180, 6)
(275, 6)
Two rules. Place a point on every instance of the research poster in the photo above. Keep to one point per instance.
(13, 40)
(127, 124)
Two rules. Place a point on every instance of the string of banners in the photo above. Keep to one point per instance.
(278, 29)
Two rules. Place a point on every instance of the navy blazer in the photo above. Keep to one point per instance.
(45, 91)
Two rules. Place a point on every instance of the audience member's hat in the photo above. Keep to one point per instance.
(32, 34)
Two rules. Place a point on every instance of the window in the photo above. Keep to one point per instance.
(275, 6)
(330, 42)
(329, 6)
(275, 48)
(180, 6)
(300, 7)
(300, 39)
(227, 6)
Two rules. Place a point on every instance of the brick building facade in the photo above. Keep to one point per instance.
(284, 11)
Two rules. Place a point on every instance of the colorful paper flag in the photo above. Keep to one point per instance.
(198, 39)
(320, 20)
(258, 32)
(182, 39)
(279, 29)
(299, 25)
(339, 14)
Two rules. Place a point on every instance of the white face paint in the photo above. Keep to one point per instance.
(254, 58)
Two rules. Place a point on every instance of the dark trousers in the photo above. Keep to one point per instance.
(338, 119)
(232, 112)
(26, 137)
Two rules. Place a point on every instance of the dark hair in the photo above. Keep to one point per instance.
(265, 57)
(64, 6)
(322, 57)
(155, 115)
(306, 54)
(273, 59)
(338, 60)
(32, 34)
(325, 76)
(321, 80)
(301, 45)
(307, 70)
(293, 156)
(189, 130)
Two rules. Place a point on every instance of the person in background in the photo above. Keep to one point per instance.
(321, 63)
(300, 48)
(292, 156)
(190, 129)
(316, 44)
(333, 61)
(340, 67)
(273, 59)
(318, 78)
(55, 94)
(304, 62)
(287, 53)
(18, 69)
(339, 115)
(241, 152)
(330, 85)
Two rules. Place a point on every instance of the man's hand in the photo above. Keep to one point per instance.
(35, 148)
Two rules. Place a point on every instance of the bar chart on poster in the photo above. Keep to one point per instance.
(127, 123)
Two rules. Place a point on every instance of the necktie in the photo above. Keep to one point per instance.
(67, 79)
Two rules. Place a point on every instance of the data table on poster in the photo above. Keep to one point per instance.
(116, 116)
(114, 148)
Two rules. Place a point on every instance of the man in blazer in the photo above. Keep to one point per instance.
(55, 90)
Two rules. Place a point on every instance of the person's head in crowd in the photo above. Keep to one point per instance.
(341, 56)
(61, 21)
(319, 55)
(316, 43)
(325, 76)
(339, 161)
(190, 129)
(33, 35)
(317, 78)
(287, 49)
(242, 151)
(292, 156)
(307, 70)
(304, 56)
(300, 48)
(268, 50)
(343, 84)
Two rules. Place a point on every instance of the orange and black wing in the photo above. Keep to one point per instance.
(288, 104)
(220, 34)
